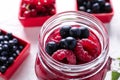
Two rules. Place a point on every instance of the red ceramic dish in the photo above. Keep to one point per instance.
(104, 17)
(18, 61)
(32, 21)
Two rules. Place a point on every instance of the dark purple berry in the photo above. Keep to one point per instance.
(88, 4)
(101, 2)
(75, 32)
(17, 52)
(1, 49)
(1, 37)
(82, 8)
(11, 42)
(107, 7)
(63, 44)
(14, 48)
(10, 60)
(4, 53)
(6, 37)
(14, 55)
(5, 47)
(84, 32)
(89, 11)
(95, 8)
(15, 40)
(80, 2)
(64, 31)
(9, 35)
(71, 42)
(3, 59)
(21, 47)
(3, 69)
(51, 47)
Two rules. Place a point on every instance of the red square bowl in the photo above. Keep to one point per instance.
(32, 21)
(18, 60)
(104, 17)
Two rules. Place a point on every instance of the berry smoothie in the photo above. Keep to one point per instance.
(72, 51)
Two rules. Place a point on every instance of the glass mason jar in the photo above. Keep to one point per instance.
(47, 68)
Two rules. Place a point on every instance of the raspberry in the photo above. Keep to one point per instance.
(65, 56)
(90, 47)
(55, 36)
(81, 54)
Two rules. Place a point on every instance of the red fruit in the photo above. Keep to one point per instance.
(33, 12)
(28, 1)
(47, 2)
(65, 56)
(52, 12)
(23, 7)
(81, 54)
(27, 14)
(90, 47)
(55, 36)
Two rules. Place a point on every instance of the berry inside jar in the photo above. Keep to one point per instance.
(73, 44)
(36, 8)
(94, 6)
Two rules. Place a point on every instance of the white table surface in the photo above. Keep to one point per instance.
(9, 21)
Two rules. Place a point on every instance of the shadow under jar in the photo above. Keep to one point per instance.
(47, 68)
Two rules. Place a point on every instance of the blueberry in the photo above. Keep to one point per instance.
(4, 53)
(14, 55)
(88, 4)
(21, 47)
(3, 59)
(84, 32)
(15, 40)
(95, 8)
(89, 11)
(5, 47)
(6, 37)
(80, 2)
(63, 44)
(11, 42)
(101, 2)
(82, 8)
(64, 31)
(10, 60)
(107, 7)
(1, 37)
(10, 36)
(71, 42)
(51, 47)
(1, 49)
(75, 32)
(14, 48)
(17, 52)
(3, 69)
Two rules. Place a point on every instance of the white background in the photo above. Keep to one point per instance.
(9, 21)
